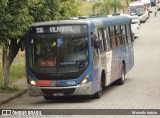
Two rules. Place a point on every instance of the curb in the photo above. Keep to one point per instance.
(13, 97)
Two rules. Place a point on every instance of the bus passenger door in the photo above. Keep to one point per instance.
(108, 56)
(96, 66)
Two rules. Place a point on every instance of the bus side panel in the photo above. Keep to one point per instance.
(129, 60)
(106, 61)
(131, 56)
(116, 64)
(109, 63)
(96, 71)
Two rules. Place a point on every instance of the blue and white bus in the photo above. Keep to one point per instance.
(78, 57)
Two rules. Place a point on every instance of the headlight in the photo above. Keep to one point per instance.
(32, 82)
(85, 79)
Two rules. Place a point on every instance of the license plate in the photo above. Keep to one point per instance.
(58, 94)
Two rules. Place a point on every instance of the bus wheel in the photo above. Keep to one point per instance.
(99, 93)
(122, 79)
(48, 97)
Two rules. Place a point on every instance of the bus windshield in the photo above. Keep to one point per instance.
(58, 54)
(139, 10)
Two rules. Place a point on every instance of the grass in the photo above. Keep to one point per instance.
(85, 8)
(8, 90)
(17, 71)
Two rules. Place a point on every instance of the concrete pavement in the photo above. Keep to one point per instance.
(21, 84)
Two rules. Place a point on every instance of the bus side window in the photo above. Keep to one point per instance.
(118, 34)
(128, 33)
(124, 36)
(108, 39)
(121, 35)
(104, 39)
(101, 38)
(112, 37)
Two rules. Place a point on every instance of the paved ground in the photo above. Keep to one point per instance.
(21, 85)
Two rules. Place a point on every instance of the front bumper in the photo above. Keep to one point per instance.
(86, 89)
(142, 19)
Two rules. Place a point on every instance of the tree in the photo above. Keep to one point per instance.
(106, 7)
(69, 8)
(53, 10)
(16, 18)
(97, 7)
(127, 2)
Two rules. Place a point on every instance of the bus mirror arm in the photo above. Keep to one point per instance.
(22, 43)
(95, 43)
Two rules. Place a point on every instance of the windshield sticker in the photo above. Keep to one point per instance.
(60, 42)
(68, 63)
(48, 63)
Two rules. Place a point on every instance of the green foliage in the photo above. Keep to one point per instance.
(47, 10)
(85, 8)
(106, 8)
(15, 18)
(97, 6)
(17, 71)
(8, 90)
(69, 8)
(17, 15)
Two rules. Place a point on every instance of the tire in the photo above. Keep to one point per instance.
(135, 37)
(99, 93)
(121, 80)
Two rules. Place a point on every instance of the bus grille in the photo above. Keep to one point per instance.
(64, 91)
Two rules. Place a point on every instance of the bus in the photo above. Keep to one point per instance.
(148, 5)
(78, 57)
(140, 9)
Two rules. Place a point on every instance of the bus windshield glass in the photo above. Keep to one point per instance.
(139, 10)
(58, 54)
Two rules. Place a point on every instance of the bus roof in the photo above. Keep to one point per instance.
(107, 21)
(136, 3)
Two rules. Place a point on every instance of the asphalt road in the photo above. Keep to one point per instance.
(140, 91)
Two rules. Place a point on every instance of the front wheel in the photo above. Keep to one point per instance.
(122, 79)
(99, 93)
(48, 97)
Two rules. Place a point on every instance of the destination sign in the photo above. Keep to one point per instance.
(62, 29)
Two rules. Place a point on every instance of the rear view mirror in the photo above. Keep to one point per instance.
(22, 43)
(96, 44)
(95, 41)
